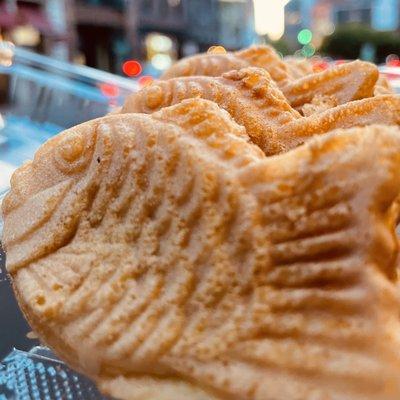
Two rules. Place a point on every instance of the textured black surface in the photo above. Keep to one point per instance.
(28, 372)
(38, 375)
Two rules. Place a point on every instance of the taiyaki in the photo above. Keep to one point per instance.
(254, 100)
(383, 86)
(166, 257)
(250, 95)
(346, 82)
(211, 64)
(298, 67)
(349, 81)
(383, 110)
(318, 104)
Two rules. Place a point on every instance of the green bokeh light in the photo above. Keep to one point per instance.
(308, 50)
(304, 36)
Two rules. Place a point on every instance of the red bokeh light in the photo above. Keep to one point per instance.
(132, 68)
(394, 63)
(109, 90)
(320, 66)
(145, 80)
(391, 76)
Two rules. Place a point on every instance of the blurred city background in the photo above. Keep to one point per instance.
(138, 39)
(63, 62)
(110, 34)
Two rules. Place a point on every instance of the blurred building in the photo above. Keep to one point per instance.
(105, 33)
(110, 31)
(379, 14)
(295, 20)
(37, 24)
(321, 16)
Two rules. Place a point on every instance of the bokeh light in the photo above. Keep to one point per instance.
(305, 36)
(320, 65)
(269, 17)
(109, 90)
(174, 3)
(25, 35)
(392, 60)
(216, 50)
(145, 80)
(308, 50)
(132, 68)
(298, 53)
(394, 63)
(161, 61)
(6, 53)
(159, 43)
(329, 28)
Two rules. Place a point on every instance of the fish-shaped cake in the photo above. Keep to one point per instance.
(299, 67)
(167, 257)
(383, 86)
(346, 82)
(295, 77)
(249, 95)
(212, 64)
(254, 100)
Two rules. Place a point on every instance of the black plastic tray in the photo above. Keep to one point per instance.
(29, 371)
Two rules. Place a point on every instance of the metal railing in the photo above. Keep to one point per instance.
(49, 90)
(41, 96)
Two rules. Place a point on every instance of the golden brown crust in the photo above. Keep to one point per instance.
(211, 64)
(383, 86)
(207, 64)
(318, 104)
(199, 267)
(298, 67)
(296, 78)
(351, 81)
(264, 56)
(254, 101)
(383, 110)
(249, 95)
